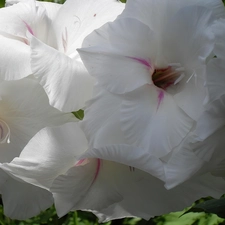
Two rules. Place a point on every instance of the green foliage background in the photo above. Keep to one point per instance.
(49, 217)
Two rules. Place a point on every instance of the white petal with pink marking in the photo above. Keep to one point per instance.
(151, 119)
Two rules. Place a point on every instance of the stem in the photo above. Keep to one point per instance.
(75, 221)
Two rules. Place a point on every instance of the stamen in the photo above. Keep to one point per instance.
(193, 74)
(4, 132)
(174, 64)
(131, 168)
(179, 78)
(165, 77)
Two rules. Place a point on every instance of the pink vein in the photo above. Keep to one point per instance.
(29, 28)
(79, 162)
(142, 61)
(160, 98)
(97, 170)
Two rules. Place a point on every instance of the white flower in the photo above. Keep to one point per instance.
(24, 111)
(52, 32)
(149, 109)
(156, 74)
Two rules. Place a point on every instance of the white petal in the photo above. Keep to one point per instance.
(27, 19)
(218, 29)
(194, 157)
(22, 200)
(76, 19)
(14, 18)
(49, 153)
(127, 37)
(65, 80)
(215, 79)
(187, 38)
(15, 59)
(211, 120)
(101, 123)
(83, 187)
(131, 156)
(149, 198)
(25, 109)
(117, 74)
(152, 120)
(51, 8)
(191, 96)
(149, 10)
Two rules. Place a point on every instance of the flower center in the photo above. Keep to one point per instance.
(165, 77)
(4, 132)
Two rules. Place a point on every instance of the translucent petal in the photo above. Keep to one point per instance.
(76, 19)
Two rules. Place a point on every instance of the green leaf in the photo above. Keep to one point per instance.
(215, 206)
(79, 114)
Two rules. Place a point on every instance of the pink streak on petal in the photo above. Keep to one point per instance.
(80, 162)
(97, 170)
(142, 61)
(29, 28)
(160, 97)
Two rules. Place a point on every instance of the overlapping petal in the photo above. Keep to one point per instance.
(25, 109)
(51, 152)
(194, 157)
(74, 21)
(65, 80)
(115, 180)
